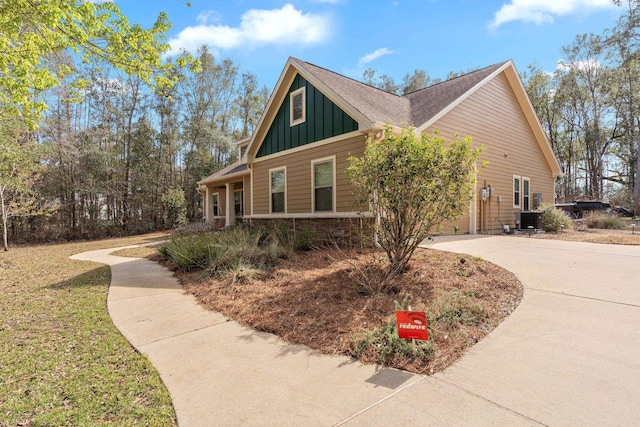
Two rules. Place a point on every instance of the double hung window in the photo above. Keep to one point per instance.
(324, 185)
(278, 190)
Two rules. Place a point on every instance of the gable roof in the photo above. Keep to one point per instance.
(375, 104)
(412, 109)
(374, 108)
(235, 169)
(428, 102)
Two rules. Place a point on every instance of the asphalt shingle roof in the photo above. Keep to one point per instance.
(414, 109)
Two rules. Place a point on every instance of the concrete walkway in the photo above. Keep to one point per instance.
(569, 354)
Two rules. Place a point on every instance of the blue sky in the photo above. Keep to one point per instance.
(391, 36)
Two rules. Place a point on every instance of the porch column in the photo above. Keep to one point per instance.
(230, 208)
(208, 205)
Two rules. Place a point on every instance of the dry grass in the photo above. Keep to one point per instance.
(592, 235)
(63, 362)
(311, 299)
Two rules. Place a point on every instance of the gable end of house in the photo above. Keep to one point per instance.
(316, 118)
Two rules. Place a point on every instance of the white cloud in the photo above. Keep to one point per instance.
(369, 57)
(544, 11)
(208, 16)
(589, 66)
(257, 27)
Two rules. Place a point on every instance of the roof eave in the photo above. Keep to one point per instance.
(222, 178)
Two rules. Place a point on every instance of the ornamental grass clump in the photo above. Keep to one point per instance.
(604, 221)
(234, 254)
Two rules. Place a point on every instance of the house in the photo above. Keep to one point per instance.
(293, 167)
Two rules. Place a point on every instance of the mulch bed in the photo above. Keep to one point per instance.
(312, 299)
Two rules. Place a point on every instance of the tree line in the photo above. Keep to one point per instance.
(589, 108)
(100, 135)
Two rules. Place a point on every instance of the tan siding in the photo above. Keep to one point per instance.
(493, 118)
(299, 176)
(247, 194)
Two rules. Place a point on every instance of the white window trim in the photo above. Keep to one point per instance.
(524, 178)
(283, 168)
(215, 201)
(304, 106)
(513, 191)
(313, 184)
(239, 190)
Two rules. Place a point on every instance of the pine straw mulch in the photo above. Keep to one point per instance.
(311, 299)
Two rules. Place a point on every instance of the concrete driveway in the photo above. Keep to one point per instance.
(569, 355)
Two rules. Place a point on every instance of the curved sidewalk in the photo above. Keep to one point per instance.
(569, 355)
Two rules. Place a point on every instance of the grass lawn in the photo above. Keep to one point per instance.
(62, 361)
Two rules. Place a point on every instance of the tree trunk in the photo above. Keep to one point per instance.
(636, 184)
(4, 222)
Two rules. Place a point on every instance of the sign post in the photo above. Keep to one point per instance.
(412, 325)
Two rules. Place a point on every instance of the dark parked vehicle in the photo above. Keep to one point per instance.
(619, 210)
(578, 208)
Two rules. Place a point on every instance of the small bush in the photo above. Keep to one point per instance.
(175, 206)
(307, 238)
(554, 219)
(605, 221)
(294, 240)
(188, 252)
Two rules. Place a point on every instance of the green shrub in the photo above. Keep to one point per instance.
(307, 238)
(291, 241)
(188, 252)
(175, 207)
(554, 219)
(602, 220)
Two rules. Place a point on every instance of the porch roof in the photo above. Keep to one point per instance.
(234, 170)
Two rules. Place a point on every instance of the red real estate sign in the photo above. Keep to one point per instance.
(412, 325)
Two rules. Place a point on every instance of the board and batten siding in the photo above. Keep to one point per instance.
(493, 117)
(298, 178)
(324, 120)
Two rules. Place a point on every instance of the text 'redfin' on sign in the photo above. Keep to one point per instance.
(412, 325)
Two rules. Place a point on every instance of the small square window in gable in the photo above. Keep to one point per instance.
(297, 106)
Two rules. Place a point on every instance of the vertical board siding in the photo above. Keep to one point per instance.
(323, 119)
(299, 176)
(493, 117)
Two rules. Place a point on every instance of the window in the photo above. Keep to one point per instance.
(516, 191)
(323, 185)
(278, 187)
(298, 110)
(525, 193)
(242, 151)
(214, 204)
(237, 201)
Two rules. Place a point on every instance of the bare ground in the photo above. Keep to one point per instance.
(592, 235)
